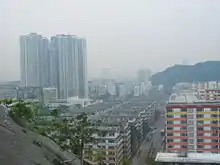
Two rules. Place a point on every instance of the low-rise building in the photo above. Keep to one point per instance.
(109, 147)
(187, 158)
(49, 94)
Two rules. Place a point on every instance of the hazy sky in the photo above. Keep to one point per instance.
(124, 35)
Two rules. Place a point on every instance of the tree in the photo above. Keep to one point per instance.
(54, 112)
(20, 109)
(99, 158)
(72, 135)
(6, 102)
(126, 161)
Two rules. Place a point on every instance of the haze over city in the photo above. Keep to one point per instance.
(121, 35)
(109, 82)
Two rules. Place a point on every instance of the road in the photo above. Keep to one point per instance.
(156, 140)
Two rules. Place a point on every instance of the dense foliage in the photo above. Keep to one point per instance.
(199, 72)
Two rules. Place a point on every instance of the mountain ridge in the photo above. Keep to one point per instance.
(199, 72)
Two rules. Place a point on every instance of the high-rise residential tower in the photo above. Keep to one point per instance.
(71, 66)
(61, 63)
(33, 60)
(82, 64)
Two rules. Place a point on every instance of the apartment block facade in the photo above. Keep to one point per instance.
(192, 125)
(34, 54)
(109, 147)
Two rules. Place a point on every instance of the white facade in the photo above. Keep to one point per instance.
(122, 90)
(142, 89)
(33, 60)
(136, 90)
(111, 87)
(72, 66)
(49, 94)
(109, 143)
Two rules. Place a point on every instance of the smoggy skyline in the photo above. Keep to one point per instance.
(123, 35)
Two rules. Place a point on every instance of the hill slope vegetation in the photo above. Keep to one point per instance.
(19, 146)
(200, 72)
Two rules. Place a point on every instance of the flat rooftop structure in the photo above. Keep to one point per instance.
(183, 98)
(190, 101)
(202, 158)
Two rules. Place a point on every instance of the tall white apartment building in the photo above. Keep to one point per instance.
(71, 64)
(136, 90)
(34, 54)
(142, 89)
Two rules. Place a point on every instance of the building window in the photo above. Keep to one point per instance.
(169, 134)
(183, 146)
(169, 116)
(183, 128)
(183, 116)
(214, 129)
(215, 122)
(199, 146)
(183, 122)
(200, 134)
(111, 147)
(214, 147)
(183, 134)
(200, 140)
(200, 128)
(169, 110)
(169, 122)
(170, 146)
(111, 134)
(214, 109)
(199, 109)
(200, 122)
(169, 140)
(214, 115)
(111, 141)
(199, 115)
(183, 110)
(169, 128)
(183, 140)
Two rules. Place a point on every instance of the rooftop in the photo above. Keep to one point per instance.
(182, 98)
(189, 99)
(190, 158)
